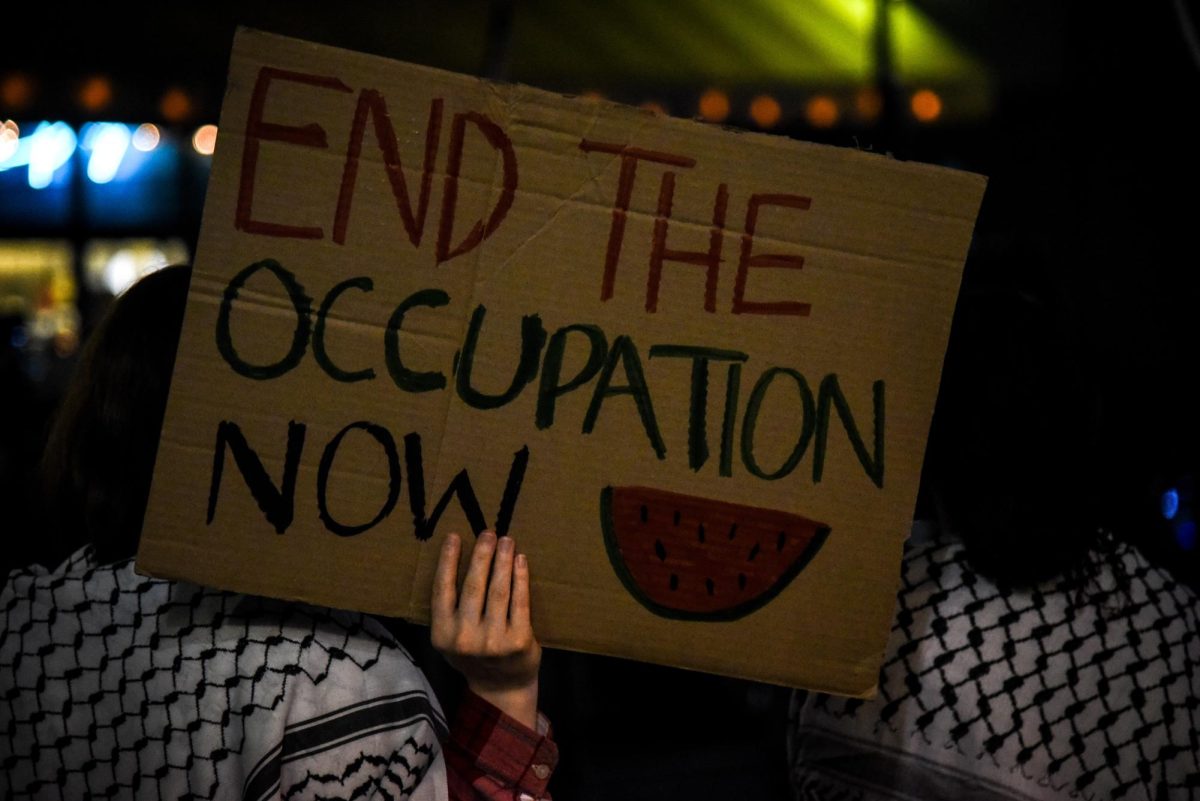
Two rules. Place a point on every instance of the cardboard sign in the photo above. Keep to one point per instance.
(690, 370)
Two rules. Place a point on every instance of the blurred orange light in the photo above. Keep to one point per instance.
(96, 93)
(592, 94)
(868, 103)
(10, 134)
(146, 137)
(926, 105)
(16, 91)
(175, 105)
(714, 105)
(765, 111)
(821, 111)
(654, 106)
(205, 140)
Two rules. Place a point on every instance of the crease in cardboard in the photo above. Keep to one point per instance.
(440, 468)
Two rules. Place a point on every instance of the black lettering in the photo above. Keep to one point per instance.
(384, 438)
(533, 337)
(409, 380)
(831, 393)
(318, 338)
(550, 390)
(754, 406)
(625, 352)
(301, 303)
(424, 526)
(698, 412)
(512, 490)
(277, 504)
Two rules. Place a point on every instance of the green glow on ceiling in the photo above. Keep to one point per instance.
(804, 43)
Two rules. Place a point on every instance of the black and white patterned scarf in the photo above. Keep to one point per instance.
(115, 685)
(1073, 689)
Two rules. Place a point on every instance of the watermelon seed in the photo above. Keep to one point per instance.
(700, 532)
(677, 517)
(733, 531)
(709, 584)
(753, 552)
(660, 550)
(644, 514)
(674, 581)
(741, 581)
(779, 541)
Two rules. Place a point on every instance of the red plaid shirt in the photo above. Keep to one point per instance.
(492, 757)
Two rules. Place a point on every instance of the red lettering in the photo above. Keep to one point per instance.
(630, 156)
(740, 304)
(499, 142)
(660, 253)
(311, 135)
(371, 102)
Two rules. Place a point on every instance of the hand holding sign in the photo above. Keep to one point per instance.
(485, 633)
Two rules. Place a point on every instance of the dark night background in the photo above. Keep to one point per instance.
(1083, 265)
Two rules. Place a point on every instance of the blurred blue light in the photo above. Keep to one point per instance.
(52, 145)
(107, 142)
(1185, 534)
(1170, 503)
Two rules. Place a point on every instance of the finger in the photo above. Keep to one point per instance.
(445, 582)
(470, 603)
(500, 589)
(519, 618)
(445, 592)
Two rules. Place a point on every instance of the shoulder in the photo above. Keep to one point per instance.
(354, 710)
(268, 694)
(1006, 683)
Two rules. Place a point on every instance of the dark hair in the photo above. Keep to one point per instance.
(1011, 462)
(100, 453)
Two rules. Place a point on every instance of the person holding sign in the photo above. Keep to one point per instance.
(117, 684)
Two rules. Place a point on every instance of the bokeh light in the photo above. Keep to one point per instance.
(822, 111)
(205, 140)
(175, 105)
(765, 111)
(926, 105)
(95, 93)
(16, 91)
(10, 135)
(868, 103)
(1170, 504)
(146, 137)
(714, 105)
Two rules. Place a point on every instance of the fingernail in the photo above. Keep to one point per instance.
(487, 535)
(506, 544)
(451, 540)
(522, 562)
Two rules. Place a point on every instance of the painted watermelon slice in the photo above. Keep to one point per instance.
(693, 558)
